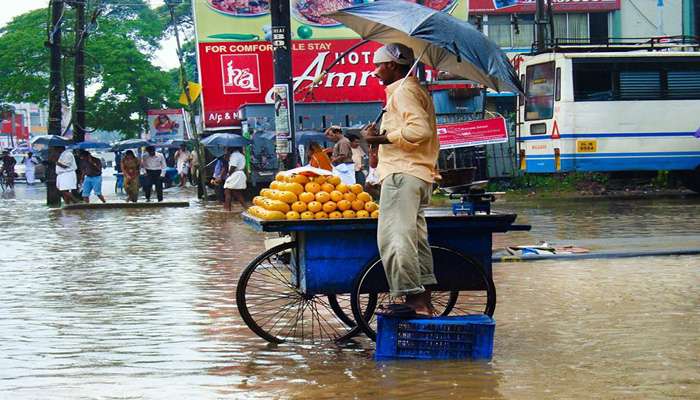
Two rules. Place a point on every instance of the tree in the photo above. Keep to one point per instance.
(119, 49)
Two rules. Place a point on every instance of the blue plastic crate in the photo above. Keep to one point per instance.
(440, 338)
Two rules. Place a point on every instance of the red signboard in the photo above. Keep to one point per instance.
(20, 131)
(473, 133)
(233, 74)
(528, 6)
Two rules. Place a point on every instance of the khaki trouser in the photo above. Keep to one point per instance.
(402, 234)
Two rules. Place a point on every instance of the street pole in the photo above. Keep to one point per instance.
(201, 168)
(53, 198)
(540, 27)
(282, 59)
(79, 71)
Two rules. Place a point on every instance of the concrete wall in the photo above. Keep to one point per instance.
(640, 18)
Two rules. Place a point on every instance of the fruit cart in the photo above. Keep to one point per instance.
(324, 282)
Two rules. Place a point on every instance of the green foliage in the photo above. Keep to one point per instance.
(552, 182)
(122, 82)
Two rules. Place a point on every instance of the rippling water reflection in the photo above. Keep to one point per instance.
(139, 304)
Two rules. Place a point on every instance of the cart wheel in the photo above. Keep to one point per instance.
(371, 289)
(271, 304)
(340, 304)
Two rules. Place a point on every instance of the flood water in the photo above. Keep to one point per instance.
(140, 304)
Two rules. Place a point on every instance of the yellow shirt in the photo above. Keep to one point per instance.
(411, 127)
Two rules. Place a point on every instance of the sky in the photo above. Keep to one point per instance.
(166, 58)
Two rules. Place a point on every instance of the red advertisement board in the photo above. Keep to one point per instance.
(236, 73)
(19, 132)
(528, 6)
(473, 133)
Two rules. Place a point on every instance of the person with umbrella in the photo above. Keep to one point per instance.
(8, 168)
(408, 155)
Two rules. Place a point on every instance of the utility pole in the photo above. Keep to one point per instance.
(79, 71)
(540, 26)
(282, 59)
(198, 148)
(54, 42)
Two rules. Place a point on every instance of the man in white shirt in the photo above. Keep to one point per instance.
(66, 179)
(154, 164)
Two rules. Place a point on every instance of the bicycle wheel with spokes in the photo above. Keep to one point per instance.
(272, 305)
(452, 269)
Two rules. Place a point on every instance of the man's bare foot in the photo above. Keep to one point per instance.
(420, 303)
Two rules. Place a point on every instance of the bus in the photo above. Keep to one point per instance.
(604, 111)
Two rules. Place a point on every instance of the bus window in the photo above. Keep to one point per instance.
(649, 78)
(539, 91)
(557, 93)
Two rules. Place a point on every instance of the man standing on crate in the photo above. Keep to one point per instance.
(408, 153)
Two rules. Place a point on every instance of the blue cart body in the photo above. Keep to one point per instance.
(330, 254)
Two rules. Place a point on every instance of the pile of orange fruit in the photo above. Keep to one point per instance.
(318, 197)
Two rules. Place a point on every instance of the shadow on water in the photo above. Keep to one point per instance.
(141, 304)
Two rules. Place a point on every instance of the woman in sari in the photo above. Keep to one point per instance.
(318, 157)
(130, 168)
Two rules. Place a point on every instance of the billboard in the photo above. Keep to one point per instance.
(472, 133)
(166, 125)
(235, 55)
(528, 6)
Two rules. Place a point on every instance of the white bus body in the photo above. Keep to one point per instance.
(611, 111)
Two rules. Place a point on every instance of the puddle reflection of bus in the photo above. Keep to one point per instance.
(619, 109)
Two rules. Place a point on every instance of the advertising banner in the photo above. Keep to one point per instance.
(528, 6)
(166, 125)
(235, 54)
(234, 74)
(472, 133)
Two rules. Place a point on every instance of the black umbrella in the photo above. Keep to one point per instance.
(442, 41)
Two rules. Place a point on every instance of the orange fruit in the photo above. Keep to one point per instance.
(327, 187)
(335, 215)
(364, 196)
(299, 206)
(313, 187)
(356, 188)
(358, 205)
(375, 214)
(344, 205)
(307, 215)
(371, 206)
(321, 179)
(289, 178)
(314, 206)
(300, 179)
(307, 197)
(275, 185)
(293, 215)
(323, 197)
(342, 188)
(349, 214)
(329, 206)
(350, 196)
(362, 214)
(336, 196)
(320, 215)
(294, 187)
(334, 180)
(265, 192)
(279, 177)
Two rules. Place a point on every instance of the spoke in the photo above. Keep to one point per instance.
(285, 311)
